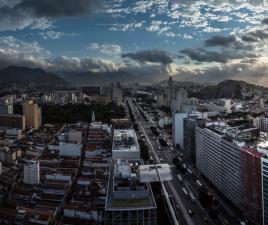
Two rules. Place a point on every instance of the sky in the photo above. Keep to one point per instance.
(203, 41)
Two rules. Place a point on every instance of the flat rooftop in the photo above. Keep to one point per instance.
(148, 173)
(125, 191)
(125, 140)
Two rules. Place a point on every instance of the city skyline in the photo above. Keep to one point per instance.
(203, 41)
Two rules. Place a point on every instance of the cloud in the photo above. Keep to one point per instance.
(230, 42)
(152, 56)
(220, 41)
(14, 52)
(127, 27)
(253, 72)
(59, 8)
(107, 49)
(265, 21)
(76, 65)
(234, 3)
(23, 13)
(202, 55)
(255, 35)
(51, 34)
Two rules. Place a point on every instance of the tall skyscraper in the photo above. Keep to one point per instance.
(170, 91)
(180, 103)
(33, 115)
(218, 159)
(189, 127)
(117, 94)
(177, 128)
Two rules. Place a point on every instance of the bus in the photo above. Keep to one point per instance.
(192, 197)
(189, 171)
(180, 178)
(184, 191)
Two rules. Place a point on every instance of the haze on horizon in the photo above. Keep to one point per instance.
(202, 41)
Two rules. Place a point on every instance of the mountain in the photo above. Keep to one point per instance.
(104, 78)
(17, 74)
(177, 83)
(225, 89)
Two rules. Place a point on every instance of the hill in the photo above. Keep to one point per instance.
(225, 89)
(104, 78)
(27, 75)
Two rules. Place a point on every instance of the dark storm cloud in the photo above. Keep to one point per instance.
(202, 55)
(256, 35)
(18, 14)
(230, 42)
(265, 21)
(59, 8)
(220, 41)
(153, 56)
(249, 38)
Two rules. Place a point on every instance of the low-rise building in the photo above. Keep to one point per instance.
(125, 145)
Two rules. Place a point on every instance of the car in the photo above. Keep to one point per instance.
(191, 212)
(189, 171)
(161, 160)
(199, 183)
(180, 178)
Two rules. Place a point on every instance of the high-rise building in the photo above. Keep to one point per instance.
(264, 165)
(177, 128)
(251, 199)
(218, 155)
(128, 200)
(6, 109)
(189, 126)
(117, 95)
(33, 115)
(170, 91)
(180, 102)
(31, 173)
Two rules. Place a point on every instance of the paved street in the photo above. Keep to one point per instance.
(182, 203)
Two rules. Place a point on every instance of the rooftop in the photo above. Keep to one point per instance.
(125, 191)
(125, 140)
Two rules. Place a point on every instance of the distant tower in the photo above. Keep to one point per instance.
(93, 116)
(170, 91)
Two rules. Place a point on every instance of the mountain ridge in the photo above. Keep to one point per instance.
(36, 76)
